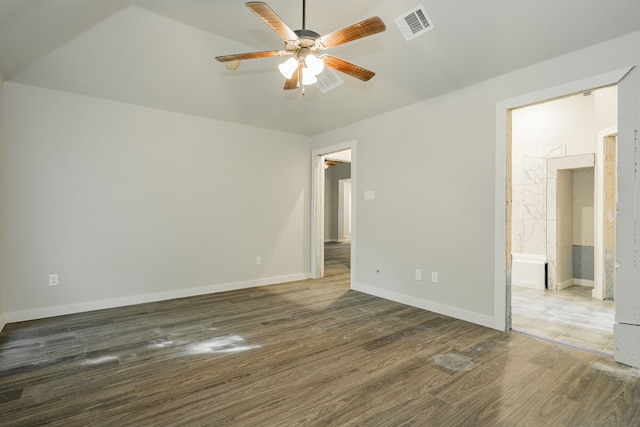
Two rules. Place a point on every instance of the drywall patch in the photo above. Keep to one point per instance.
(454, 362)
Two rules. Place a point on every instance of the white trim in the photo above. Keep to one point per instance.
(502, 279)
(317, 215)
(344, 206)
(2, 322)
(598, 288)
(467, 316)
(583, 282)
(555, 164)
(564, 284)
(590, 83)
(528, 270)
(41, 313)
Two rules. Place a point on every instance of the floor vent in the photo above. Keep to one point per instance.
(328, 80)
(414, 23)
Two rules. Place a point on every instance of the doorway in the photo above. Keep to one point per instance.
(337, 215)
(334, 210)
(553, 222)
(344, 209)
(606, 182)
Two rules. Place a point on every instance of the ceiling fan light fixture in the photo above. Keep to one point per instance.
(308, 77)
(305, 62)
(315, 64)
(288, 67)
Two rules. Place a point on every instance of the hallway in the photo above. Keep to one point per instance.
(337, 258)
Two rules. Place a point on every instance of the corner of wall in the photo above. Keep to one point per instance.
(2, 318)
(627, 287)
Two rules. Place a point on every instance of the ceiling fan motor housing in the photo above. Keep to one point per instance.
(306, 39)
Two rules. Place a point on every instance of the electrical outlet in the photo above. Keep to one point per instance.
(258, 260)
(418, 274)
(434, 277)
(53, 280)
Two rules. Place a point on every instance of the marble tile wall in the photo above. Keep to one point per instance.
(529, 209)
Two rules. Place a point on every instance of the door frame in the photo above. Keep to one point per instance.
(344, 208)
(554, 165)
(600, 219)
(317, 208)
(502, 256)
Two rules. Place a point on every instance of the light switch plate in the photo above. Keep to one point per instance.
(54, 280)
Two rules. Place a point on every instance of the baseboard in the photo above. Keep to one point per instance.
(3, 323)
(529, 285)
(564, 284)
(584, 282)
(41, 313)
(468, 316)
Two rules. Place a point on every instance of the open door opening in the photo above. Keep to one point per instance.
(556, 219)
(337, 214)
(333, 211)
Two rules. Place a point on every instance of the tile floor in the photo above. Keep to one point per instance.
(570, 316)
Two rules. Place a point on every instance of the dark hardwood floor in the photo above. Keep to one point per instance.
(304, 353)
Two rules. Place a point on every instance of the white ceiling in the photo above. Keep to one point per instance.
(160, 53)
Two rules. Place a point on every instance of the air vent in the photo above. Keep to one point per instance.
(414, 23)
(328, 80)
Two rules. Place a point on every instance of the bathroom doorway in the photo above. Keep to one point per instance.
(558, 203)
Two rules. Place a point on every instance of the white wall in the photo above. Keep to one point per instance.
(432, 208)
(566, 126)
(583, 208)
(569, 121)
(130, 204)
(564, 228)
(606, 107)
(627, 286)
(438, 205)
(333, 175)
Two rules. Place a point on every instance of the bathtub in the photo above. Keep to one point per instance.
(528, 270)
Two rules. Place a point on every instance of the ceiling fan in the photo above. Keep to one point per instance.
(304, 47)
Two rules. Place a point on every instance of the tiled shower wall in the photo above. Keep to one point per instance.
(528, 215)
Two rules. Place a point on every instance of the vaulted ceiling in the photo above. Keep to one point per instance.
(160, 53)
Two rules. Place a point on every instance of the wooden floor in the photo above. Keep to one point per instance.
(304, 353)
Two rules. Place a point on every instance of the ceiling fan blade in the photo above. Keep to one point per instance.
(265, 13)
(250, 55)
(348, 68)
(353, 32)
(294, 81)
